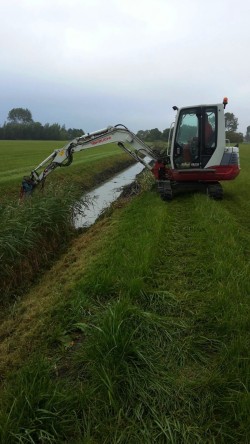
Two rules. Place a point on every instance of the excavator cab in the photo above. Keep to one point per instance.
(195, 137)
(199, 154)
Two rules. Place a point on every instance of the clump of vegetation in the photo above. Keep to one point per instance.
(30, 232)
(37, 407)
(123, 361)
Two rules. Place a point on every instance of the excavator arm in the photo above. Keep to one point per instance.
(64, 156)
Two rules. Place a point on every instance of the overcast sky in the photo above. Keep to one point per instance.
(92, 63)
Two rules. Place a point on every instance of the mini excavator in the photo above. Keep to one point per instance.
(198, 156)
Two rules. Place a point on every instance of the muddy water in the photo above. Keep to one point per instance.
(101, 197)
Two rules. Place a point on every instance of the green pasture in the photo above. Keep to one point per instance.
(139, 333)
(20, 157)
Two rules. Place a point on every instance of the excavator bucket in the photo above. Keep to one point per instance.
(27, 187)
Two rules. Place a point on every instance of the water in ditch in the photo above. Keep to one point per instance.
(101, 197)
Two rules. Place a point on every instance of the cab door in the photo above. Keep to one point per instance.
(195, 138)
(187, 143)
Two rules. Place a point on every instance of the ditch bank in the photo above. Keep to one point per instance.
(31, 235)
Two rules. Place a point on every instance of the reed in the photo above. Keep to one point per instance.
(31, 232)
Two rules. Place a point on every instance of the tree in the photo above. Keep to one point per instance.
(143, 134)
(154, 134)
(231, 122)
(34, 131)
(52, 132)
(234, 137)
(165, 134)
(247, 137)
(20, 116)
(74, 132)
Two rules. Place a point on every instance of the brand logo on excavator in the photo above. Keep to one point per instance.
(104, 139)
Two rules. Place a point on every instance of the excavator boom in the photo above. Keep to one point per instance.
(113, 134)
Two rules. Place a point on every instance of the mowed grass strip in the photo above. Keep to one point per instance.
(193, 288)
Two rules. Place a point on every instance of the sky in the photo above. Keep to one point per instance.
(93, 63)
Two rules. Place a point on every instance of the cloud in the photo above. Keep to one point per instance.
(85, 62)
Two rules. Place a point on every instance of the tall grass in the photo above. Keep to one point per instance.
(37, 408)
(30, 233)
(123, 360)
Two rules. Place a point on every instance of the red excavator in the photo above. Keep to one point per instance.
(198, 155)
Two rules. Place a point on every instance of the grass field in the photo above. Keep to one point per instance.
(19, 158)
(139, 333)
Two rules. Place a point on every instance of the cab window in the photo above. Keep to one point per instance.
(188, 127)
(186, 147)
(210, 128)
(196, 136)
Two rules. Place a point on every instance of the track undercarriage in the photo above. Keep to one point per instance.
(168, 188)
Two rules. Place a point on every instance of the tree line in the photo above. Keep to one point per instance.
(153, 134)
(231, 125)
(21, 126)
